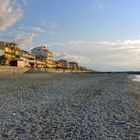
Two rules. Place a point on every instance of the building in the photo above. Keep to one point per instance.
(49, 60)
(10, 51)
(73, 65)
(28, 58)
(1, 52)
(40, 52)
(40, 57)
(40, 64)
(61, 64)
(44, 56)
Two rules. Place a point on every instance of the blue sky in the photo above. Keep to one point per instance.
(100, 34)
(93, 20)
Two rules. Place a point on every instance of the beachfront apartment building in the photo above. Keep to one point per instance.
(73, 66)
(1, 52)
(10, 51)
(49, 60)
(28, 58)
(44, 57)
(39, 57)
(40, 52)
(61, 64)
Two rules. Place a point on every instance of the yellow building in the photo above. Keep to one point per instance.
(61, 64)
(40, 64)
(10, 51)
(49, 60)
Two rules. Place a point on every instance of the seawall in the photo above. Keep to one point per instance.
(12, 70)
(21, 70)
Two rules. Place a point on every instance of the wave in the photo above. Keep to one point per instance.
(137, 78)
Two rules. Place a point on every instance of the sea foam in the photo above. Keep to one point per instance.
(137, 78)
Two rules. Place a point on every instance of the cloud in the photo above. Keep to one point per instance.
(54, 34)
(23, 39)
(70, 57)
(104, 55)
(10, 13)
(31, 29)
(24, 42)
(38, 29)
(99, 4)
(25, 2)
(49, 24)
(35, 29)
(23, 36)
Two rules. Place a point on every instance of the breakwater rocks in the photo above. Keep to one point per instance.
(69, 107)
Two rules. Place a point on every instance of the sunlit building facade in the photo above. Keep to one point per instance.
(10, 51)
(44, 56)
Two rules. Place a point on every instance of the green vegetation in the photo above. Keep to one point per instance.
(3, 60)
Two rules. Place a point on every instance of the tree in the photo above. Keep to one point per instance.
(3, 60)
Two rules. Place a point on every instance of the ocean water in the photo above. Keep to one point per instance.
(137, 78)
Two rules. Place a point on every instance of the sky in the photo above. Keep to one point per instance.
(100, 34)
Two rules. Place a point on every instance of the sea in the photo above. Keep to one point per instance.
(137, 78)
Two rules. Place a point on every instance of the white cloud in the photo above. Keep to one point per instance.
(49, 24)
(23, 36)
(70, 57)
(76, 42)
(10, 13)
(31, 29)
(104, 55)
(51, 33)
(23, 39)
(24, 42)
(131, 42)
(36, 29)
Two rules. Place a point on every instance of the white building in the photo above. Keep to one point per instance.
(28, 58)
(40, 51)
(43, 54)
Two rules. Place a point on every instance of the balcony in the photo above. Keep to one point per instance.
(1, 52)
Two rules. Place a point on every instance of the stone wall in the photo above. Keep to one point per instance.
(12, 70)
(20, 70)
(62, 71)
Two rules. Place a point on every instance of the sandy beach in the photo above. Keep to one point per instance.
(69, 107)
